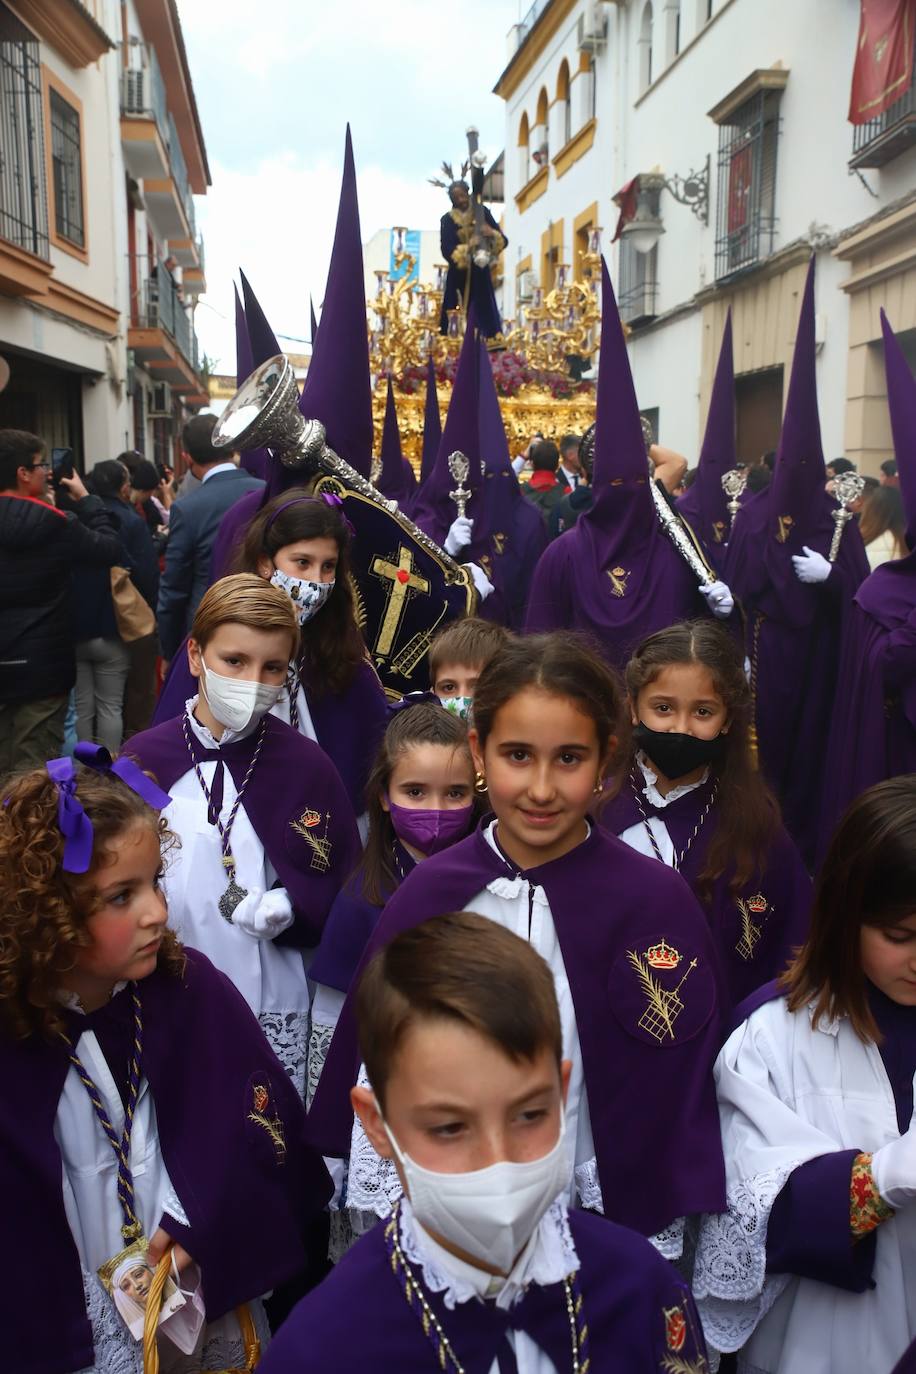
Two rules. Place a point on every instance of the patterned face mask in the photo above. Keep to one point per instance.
(307, 597)
(458, 706)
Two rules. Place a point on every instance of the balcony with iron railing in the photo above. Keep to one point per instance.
(25, 252)
(160, 332)
(153, 153)
(889, 134)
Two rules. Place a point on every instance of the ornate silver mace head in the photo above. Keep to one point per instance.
(847, 487)
(264, 413)
(733, 484)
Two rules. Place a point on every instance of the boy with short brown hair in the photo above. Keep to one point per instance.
(457, 657)
(480, 1266)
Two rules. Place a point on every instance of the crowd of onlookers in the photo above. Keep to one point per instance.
(99, 578)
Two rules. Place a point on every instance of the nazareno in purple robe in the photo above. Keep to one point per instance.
(794, 631)
(755, 938)
(615, 575)
(349, 928)
(651, 1095)
(248, 1202)
(873, 734)
(293, 783)
(808, 1231)
(639, 1311)
(704, 505)
(349, 725)
(396, 479)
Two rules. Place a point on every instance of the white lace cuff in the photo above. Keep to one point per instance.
(670, 1241)
(730, 1282)
(588, 1187)
(319, 1045)
(173, 1208)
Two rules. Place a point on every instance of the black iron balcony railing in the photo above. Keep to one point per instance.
(23, 190)
(887, 136)
(157, 304)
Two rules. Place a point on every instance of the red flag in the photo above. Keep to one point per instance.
(626, 200)
(884, 57)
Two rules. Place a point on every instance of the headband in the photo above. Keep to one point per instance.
(72, 821)
(330, 498)
(413, 699)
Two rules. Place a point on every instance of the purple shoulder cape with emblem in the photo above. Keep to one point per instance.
(232, 1133)
(295, 801)
(648, 997)
(638, 1310)
(754, 932)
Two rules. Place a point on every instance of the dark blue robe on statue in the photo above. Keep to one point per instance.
(455, 230)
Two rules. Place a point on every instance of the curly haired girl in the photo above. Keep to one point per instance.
(128, 1067)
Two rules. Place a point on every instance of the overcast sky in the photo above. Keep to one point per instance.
(277, 82)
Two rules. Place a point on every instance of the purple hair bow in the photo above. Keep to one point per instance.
(72, 821)
(412, 699)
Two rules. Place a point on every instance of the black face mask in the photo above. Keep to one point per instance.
(677, 754)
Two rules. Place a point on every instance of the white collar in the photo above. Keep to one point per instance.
(548, 1258)
(202, 733)
(651, 792)
(71, 1000)
(219, 467)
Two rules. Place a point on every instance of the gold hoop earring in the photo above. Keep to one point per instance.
(480, 783)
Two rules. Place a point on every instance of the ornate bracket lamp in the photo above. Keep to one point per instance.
(645, 228)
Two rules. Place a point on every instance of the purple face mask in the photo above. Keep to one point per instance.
(430, 831)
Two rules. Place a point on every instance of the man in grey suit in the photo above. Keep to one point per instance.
(193, 523)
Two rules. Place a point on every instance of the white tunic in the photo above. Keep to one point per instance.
(789, 1093)
(271, 978)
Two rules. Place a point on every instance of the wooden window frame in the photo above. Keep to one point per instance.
(52, 82)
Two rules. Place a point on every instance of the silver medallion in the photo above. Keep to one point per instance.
(231, 898)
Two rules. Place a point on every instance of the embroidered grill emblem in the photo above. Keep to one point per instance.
(320, 845)
(750, 933)
(499, 543)
(785, 523)
(260, 1101)
(618, 578)
(664, 1004)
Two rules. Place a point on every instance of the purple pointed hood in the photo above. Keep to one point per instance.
(337, 389)
(262, 339)
(434, 510)
(432, 424)
(313, 323)
(396, 478)
(901, 400)
(255, 460)
(705, 505)
(795, 510)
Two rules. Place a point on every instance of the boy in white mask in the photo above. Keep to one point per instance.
(480, 1266)
(266, 827)
(457, 657)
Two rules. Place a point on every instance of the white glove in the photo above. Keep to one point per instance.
(718, 598)
(518, 463)
(481, 581)
(811, 566)
(459, 535)
(266, 917)
(893, 1170)
(747, 668)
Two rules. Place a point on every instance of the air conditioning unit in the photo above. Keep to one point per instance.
(526, 285)
(592, 28)
(133, 94)
(161, 404)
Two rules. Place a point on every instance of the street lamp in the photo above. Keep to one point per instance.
(645, 228)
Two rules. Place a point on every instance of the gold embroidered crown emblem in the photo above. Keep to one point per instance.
(757, 904)
(310, 819)
(662, 955)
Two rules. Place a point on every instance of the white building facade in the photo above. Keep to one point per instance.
(101, 153)
(733, 115)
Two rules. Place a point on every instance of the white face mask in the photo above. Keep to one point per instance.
(307, 597)
(489, 1213)
(458, 706)
(236, 702)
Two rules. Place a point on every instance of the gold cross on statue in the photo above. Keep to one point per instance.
(403, 580)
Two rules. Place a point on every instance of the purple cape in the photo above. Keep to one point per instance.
(630, 1296)
(349, 726)
(651, 1098)
(293, 783)
(204, 1056)
(748, 960)
(348, 930)
(873, 733)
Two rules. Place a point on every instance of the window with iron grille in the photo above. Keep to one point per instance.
(23, 194)
(746, 203)
(67, 170)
